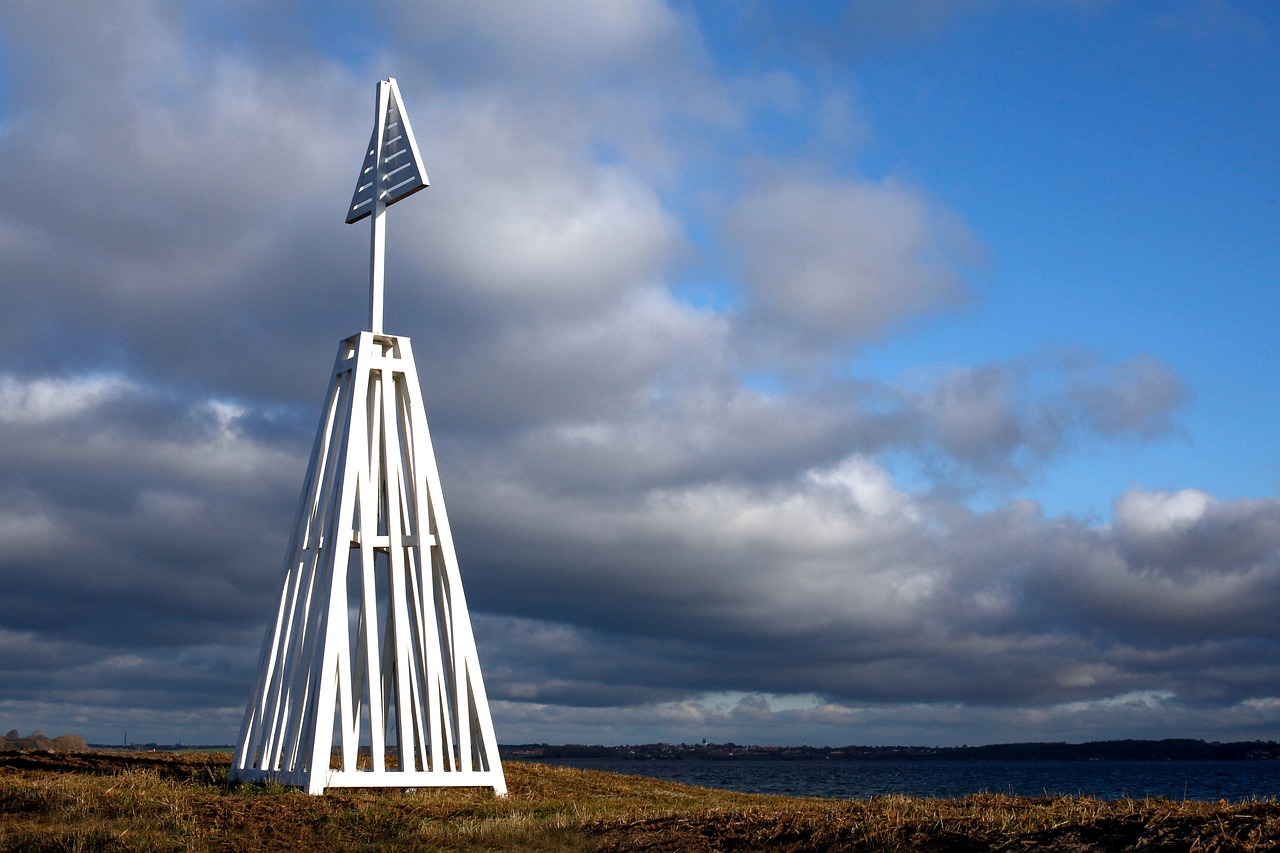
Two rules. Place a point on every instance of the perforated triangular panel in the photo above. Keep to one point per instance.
(392, 166)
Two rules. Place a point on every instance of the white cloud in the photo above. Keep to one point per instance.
(1153, 514)
(847, 260)
(55, 399)
(521, 221)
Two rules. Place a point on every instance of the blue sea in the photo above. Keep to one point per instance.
(1233, 781)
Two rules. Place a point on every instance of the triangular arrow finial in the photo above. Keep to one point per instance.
(392, 170)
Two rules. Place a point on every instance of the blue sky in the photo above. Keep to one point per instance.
(1118, 166)
(867, 372)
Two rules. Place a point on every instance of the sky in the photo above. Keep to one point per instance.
(870, 372)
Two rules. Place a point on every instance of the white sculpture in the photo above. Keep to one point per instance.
(369, 675)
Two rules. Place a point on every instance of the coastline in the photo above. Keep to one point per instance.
(1166, 749)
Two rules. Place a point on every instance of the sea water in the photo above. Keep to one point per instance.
(1233, 781)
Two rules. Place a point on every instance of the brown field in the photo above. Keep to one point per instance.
(155, 801)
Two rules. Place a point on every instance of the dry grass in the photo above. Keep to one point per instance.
(113, 802)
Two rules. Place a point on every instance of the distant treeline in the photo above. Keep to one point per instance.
(14, 742)
(1170, 749)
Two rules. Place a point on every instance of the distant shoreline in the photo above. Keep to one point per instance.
(1169, 749)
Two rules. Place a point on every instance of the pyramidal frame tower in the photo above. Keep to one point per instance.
(369, 675)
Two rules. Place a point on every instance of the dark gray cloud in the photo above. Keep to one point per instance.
(654, 545)
(1034, 618)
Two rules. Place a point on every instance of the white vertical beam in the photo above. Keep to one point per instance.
(367, 476)
(377, 252)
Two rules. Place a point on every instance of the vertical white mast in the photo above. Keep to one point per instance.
(378, 222)
(371, 648)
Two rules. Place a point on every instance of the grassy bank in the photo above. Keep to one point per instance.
(106, 801)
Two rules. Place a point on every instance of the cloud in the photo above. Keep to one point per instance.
(131, 518)
(840, 261)
(188, 219)
(1135, 396)
(1005, 421)
(858, 593)
(517, 222)
(534, 42)
(1188, 533)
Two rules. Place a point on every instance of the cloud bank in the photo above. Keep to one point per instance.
(682, 510)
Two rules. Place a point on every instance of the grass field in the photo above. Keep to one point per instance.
(151, 802)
